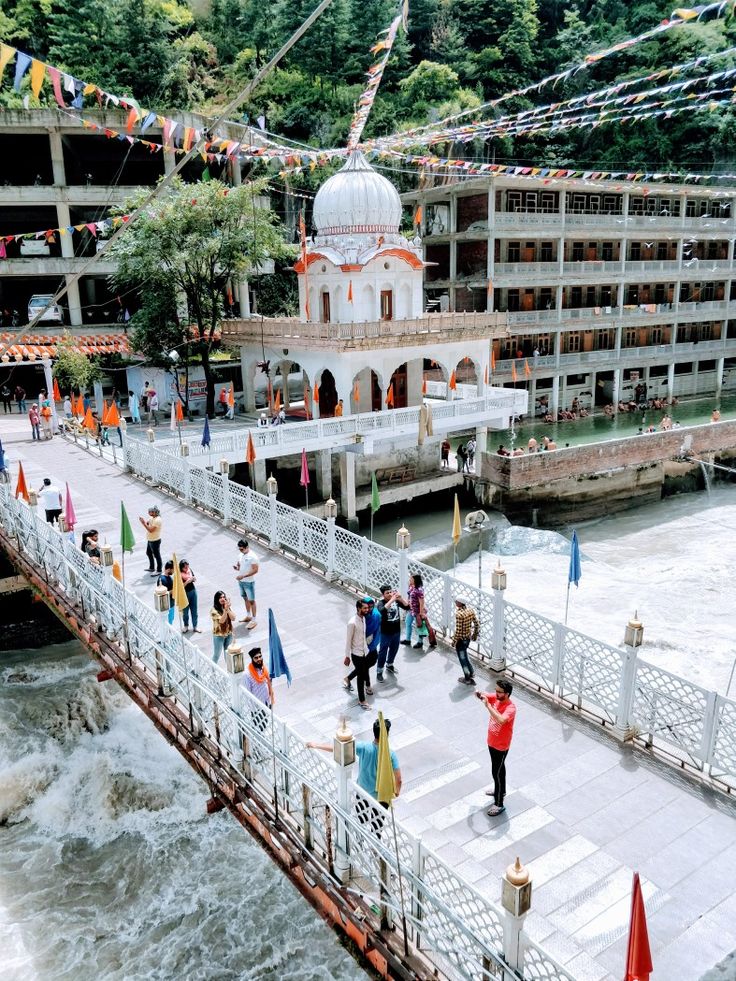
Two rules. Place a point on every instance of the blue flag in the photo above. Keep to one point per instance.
(276, 661)
(206, 432)
(574, 573)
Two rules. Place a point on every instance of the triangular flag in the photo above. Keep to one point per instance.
(457, 528)
(513, 371)
(127, 542)
(113, 416)
(418, 215)
(527, 369)
(304, 475)
(375, 497)
(385, 780)
(21, 488)
(277, 401)
(638, 954)
(452, 384)
(179, 411)
(88, 422)
(316, 393)
(57, 391)
(493, 360)
(116, 573)
(350, 291)
(485, 375)
(424, 386)
(104, 412)
(390, 396)
(178, 593)
(250, 450)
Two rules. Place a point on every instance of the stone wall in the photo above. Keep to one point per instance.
(538, 469)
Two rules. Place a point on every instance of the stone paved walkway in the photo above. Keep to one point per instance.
(582, 812)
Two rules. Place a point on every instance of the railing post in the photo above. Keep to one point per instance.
(273, 531)
(516, 899)
(498, 656)
(627, 682)
(557, 658)
(300, 533)
(235, 665)
(330, 571)
(709, 726)
(446, 602)
(225, 474)
(248, 508)
(403, 569)
(417, 906)
(344, 755)
(186, 464)
(364, 562)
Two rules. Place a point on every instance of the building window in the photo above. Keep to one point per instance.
(656, 335)
(545, 252)
(514, 251)
(387, 304)
(629, 337)
(576, 297)
(607, 251)
(577, 251)
(635, 250)
(325, 307)
(513, 301)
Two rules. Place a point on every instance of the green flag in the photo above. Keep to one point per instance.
(126, 532)
(375, 499)
(206, 176)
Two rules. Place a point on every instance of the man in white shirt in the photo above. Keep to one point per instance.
(246, 569)
(49, 497)
(356, 650)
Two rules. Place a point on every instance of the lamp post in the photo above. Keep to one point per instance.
(498, 582)
(273, 488)
(475, 521)
(516, 899)
(344, 754)
(403, 541)
(633, 637)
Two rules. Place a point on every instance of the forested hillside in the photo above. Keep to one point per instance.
(173, 55)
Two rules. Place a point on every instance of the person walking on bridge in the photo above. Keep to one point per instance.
(258, 682)
(49, 497)
(356, 650)
(502, 713)
(246, 569)
(466, 629)
(153, 524)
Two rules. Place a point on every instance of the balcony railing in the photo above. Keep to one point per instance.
(619, 223)
(585, 268)
(650, 353)
(328, 334)
(641, 311)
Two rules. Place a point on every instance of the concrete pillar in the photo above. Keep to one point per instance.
(259, 476)
(592, 390)
(616, 388)
(74, 301)
(414, 376)
(347, 488)
(555, 400)
(247, 374)
(490, 257)
(670, 381)
(57, 158)
(285, 370)
(67, 250)
(240, 289)
(324, 473)
(169, 161)
(563, 394)
(532, 396)
(97, 386)
(719, 376)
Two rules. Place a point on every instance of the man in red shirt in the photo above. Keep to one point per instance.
(502, 713)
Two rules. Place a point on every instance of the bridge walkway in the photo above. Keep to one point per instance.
(582, 811)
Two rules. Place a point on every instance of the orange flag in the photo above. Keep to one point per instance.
(513, 371)
(88, 422)
(418, 216)
(179, 411)
(303, 241)
(350, 291)
(485, 375)
(390, 396)
(356, 392)
(57, 392)
(231, 397)
(638, 954)
(277, 403)
(104, 412)
(21, 488)
(493, 360)
(80, 406)
(453, 382)
(116, 573)
(113, 416)
(316, 393)
(527, 369)
(424, 386)
(250, 450)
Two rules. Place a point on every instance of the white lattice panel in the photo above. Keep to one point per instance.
(669, 708)
(348, 556)
(530, 644)
(723, 757)
(590, 673)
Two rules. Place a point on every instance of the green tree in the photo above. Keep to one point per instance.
(72, 369)
(194, 241)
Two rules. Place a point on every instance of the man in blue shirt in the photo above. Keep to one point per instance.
(367, 756)
(372, 635)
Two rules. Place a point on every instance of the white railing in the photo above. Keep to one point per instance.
(453, 926)
(580, 669)
(344, 430)
(438, 390)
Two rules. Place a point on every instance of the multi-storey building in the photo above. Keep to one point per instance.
(609, 286)
(56, 172)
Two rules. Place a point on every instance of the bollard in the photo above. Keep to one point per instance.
(516, 899)
(344, 755)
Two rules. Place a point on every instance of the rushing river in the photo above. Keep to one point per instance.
(109, 867)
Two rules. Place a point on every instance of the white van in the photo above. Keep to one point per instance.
(38, 302)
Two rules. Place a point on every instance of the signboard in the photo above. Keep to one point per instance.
(197, 387)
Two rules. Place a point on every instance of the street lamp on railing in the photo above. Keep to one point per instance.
(272, 486)
(475, 522)
(330, 509)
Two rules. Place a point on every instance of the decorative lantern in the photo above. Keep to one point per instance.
(330, 509)
(161, 599)
(634, 632)
(151, 435)
(272, 485)
(224, 467)
(106, 556)
(498, 577)
(234, 660)
(344, 744)
(403, 538)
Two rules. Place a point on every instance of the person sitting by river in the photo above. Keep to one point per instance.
(665, 424)
(608, 410)
(550, 417)
(715, 415)
(518, 452)
(532, 445)
(548, 444)
(623, 407)
(583, 412)
(502, 451)
(575, 407)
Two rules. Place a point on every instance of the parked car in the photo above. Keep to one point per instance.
(38, 302)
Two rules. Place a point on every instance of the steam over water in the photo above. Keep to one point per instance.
(109, 866)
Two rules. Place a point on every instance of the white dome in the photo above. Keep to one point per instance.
(357, 200)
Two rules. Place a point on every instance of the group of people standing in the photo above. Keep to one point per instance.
(464, 455)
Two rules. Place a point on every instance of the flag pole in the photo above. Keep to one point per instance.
(126, 636)
(273, 760)
(401, 884)
(567, 601)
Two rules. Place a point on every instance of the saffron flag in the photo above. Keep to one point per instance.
(452, 384)
(385, 782)
(316, 393)
(178, 593)
(457, 528)
(356, 393)
(350, 291)
(104, 412)
(390, 396)
(277, 401)
(88, 421)
(250, 450)
(418, 216)
(113, 416)
(375, 497)
(21, 488)
(485, 375)
(493, 360)
(57, 392)
(513, 372)
(126, 532)
(179, 411)
(424, 386)
(527, 369)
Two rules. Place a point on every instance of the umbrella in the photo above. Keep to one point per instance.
(304, 476)
(277, 665)
(638, 954)
(206, 433)
(573, 574)
(69, 514)
(250, 450)
(21, 488)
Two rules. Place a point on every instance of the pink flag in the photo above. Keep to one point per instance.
(304, 478)
(69, 515)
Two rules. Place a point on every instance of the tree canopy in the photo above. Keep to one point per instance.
(184, 256)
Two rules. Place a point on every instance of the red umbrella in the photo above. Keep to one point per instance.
(638, 954)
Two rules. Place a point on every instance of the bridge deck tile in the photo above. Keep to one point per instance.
(579, 806)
